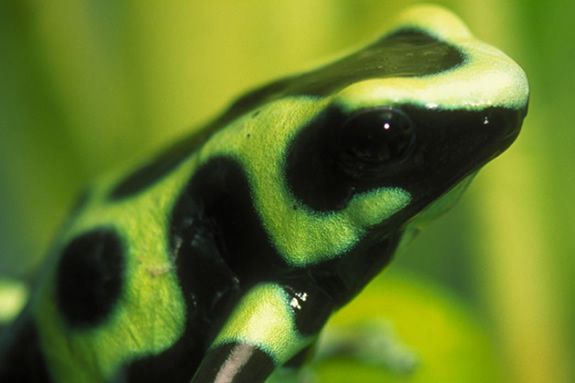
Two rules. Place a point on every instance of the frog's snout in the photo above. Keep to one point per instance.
(506, 125)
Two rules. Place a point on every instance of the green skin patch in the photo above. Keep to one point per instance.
(264, 318)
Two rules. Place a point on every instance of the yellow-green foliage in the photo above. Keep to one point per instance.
(428, 336)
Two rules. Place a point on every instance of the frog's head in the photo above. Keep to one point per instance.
(364, 145)
(429, 105)
(410, 119)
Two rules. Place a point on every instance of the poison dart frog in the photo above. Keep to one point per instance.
(221, 259)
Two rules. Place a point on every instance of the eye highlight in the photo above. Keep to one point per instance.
(373, 139)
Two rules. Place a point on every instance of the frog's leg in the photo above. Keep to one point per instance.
(373, 342)
(20, 357)
(262, 333)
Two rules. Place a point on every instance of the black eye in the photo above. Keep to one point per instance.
(372, 140)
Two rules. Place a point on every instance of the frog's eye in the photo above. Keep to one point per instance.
(373, 139)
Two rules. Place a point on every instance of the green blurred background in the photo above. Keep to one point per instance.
(86, 85)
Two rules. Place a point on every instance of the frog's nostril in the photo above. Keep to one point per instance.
(503, 125)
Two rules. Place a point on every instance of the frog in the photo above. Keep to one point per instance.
(221, 258)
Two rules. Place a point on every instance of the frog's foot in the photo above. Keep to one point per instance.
(291, 375)
(371, 342)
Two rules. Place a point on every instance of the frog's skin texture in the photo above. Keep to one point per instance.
(221, 259)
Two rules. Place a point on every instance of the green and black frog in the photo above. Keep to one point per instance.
(221, 259)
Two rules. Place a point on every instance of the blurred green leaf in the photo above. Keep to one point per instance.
(447, 340)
